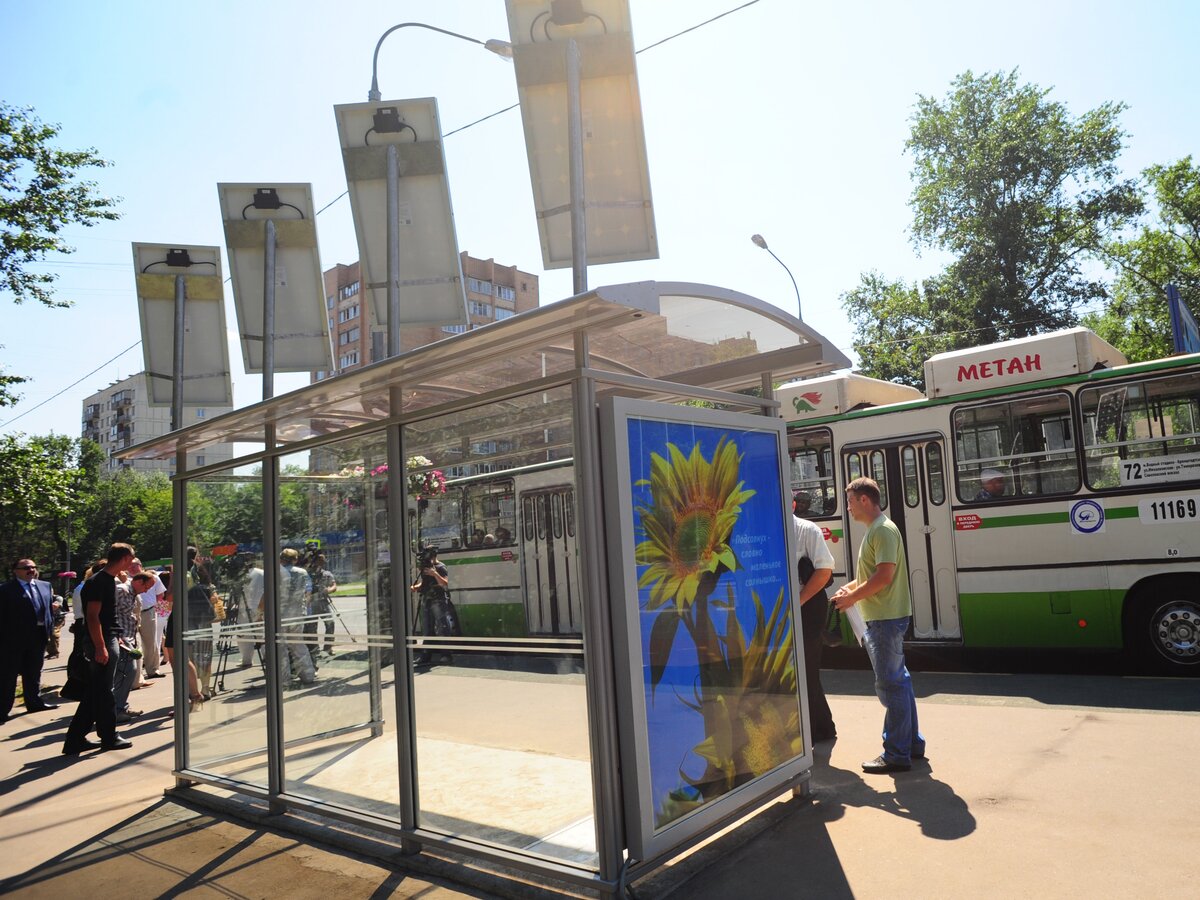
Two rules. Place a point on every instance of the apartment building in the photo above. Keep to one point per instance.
(120, 416)
(494, 292)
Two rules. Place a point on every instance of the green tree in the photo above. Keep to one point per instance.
(40, 194)
(1021, 195)
(898, 326)
(153, 522)
(39, 492)
(1166, 251)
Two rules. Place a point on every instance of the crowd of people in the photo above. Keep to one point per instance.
(123, 635)
(122, 642)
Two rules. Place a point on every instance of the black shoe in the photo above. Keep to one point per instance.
(41, 706)
(74, 749)
(158, 675)
(117, 743)
(880, 766)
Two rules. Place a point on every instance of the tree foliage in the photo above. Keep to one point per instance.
(41, 482)
(1167, 250)
(1020, 194)
(41, 193)
(882, 309)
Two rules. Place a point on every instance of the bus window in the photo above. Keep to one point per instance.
(1027, 442)
(853, 467)
(912, 489)
(489, 508)
(439, 521)
(879, 473)
(811, 455)
(1131, 422)
(934, 471)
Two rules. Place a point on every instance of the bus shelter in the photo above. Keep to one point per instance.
(613, 674)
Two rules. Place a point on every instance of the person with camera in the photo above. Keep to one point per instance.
(323, 584)
(433, 584)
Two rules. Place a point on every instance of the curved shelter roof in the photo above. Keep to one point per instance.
(696, 335)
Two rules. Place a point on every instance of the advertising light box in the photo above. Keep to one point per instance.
(702, 578)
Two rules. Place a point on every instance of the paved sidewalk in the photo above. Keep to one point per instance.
(1043, 786)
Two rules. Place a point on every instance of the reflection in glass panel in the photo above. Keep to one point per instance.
(219, 602)
(500, 700)
(334, 640)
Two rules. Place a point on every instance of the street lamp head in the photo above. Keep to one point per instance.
(760, 241)
(500, 48)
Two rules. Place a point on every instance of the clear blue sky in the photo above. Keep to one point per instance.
(786, 118)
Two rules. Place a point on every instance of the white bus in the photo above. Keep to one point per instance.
(1090, 536)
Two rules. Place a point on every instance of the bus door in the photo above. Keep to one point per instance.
(911, 473)
(549, 561)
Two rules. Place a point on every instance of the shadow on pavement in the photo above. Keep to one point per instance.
(789, 843)
(168, 850)
(1097, 691)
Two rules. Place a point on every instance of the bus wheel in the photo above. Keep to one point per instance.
(1168, 626)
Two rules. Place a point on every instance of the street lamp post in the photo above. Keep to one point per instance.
(760, 241)
(500, 48)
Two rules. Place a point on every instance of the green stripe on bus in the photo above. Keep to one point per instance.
(1042, 619)
(492, 619)
(472, 560)
(1120, 512)
(1028, 519)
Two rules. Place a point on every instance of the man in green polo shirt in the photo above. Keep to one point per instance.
(881, 590)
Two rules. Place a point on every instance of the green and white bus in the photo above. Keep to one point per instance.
(1090, 534)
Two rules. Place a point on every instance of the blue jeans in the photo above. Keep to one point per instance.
(902, 738)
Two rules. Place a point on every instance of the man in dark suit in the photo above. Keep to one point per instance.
(26, 623)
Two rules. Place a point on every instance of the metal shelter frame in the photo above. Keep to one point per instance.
(649, 340)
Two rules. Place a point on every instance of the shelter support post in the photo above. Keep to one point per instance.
(179, 679)
(597, 628)
(401, 600)
(270, 524)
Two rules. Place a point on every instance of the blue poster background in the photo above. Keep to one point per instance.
(760, 544)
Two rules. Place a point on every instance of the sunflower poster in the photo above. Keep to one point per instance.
(708, 542)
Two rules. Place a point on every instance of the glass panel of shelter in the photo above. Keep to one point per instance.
(218, 608)
(500, 712)
(334, 643)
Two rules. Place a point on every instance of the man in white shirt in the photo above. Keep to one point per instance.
(252, 594)
(148, 624)
(815, 564)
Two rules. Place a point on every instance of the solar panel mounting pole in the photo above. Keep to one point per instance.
(271, 241)
(177, 360)
(393, 250)
(575, 163)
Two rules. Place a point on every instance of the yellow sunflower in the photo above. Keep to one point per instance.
(694, 506)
